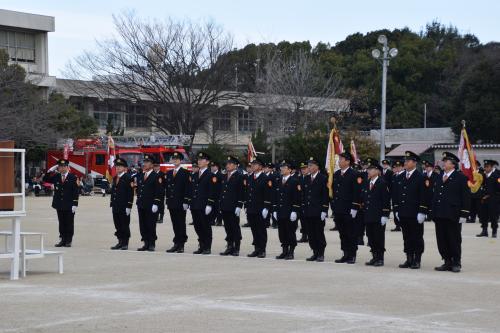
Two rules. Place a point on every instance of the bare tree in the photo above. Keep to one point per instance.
(299, 88)
(176, 68)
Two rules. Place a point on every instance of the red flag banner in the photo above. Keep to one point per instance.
(468, 162)
(354, 152)
(251, 154)
(111, 170)
(335, 147)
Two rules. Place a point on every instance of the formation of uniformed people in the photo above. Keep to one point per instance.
(361, 201)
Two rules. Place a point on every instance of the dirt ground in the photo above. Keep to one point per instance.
(129, 291)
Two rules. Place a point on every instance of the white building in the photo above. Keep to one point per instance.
(25, 38)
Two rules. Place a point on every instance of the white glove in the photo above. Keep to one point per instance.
(264, 213)
(420, 218)
(185, 206)
(208, 210)
(383, 220)
(275, 215)
(52, 168)
(462, 220)
(293, 216)
(237, 211)
(154, 209)
(354, 212)
(73, 209)
(397, 215)
(323, 216)
(127, 211)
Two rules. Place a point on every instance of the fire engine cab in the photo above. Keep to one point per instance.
(90, 156)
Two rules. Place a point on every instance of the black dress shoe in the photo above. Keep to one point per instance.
(289, 255)
(312, 258)
(117, 246)
(378, 263)
(180, 249)
(371, 262)
(341, 260)
(444, 267)
(143, 248)
(262, 254)
(124, 247)
(351, 260)
(151, 248)
(483, 233)
(199, 251)
(407, 263)
(206, 251)
(456, 268)
(415, 265)
(283, 253)
(60, 244)
(173, 249)
(494, 234)
(67, 244)
(320, 258)
(229, 249)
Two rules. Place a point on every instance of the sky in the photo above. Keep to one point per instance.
(80, 23)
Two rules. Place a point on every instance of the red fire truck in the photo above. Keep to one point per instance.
(89, 156)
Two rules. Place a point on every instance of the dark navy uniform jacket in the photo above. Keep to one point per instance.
(452, 197)
(315, 196)
(491, 198)
(286, 197)
(204, 190)
(411, 195)
(258, 193)
(122, 193)
(388, 174)
(232, 192)
(346, 191)
(376, 202)
(65, 193)
(429, 182)
(177, 188)
(149, 190)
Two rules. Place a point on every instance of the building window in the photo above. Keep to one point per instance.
(102, 119)
(246, 120)
(136, 116)
(222, 120)
(19, 45)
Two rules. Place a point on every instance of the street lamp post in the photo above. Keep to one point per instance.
(384, 58)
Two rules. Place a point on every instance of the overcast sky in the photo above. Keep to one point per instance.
(79, 23)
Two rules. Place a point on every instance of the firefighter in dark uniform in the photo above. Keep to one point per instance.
(450, 208)
(490, 206)
(286, 201)
(122, 199)
(430, 178)
(194, 169)
(246, 176)
(216, 217)
(271, 174)
(203, 202)
(345, 206)
(258, 204)
(178, 198)
(64, 200)
(150, 192)
(376, 207)
(161, 206)
(412, 210)
(398, 171)
(230, 204)
(315, 209)
(360, 219)
(387, 172)
(304, 171)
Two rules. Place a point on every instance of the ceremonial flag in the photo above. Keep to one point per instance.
(111, 170)
(467, 162)
(354, 152)
(251, 154)
(66, 151)
(335, 147)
